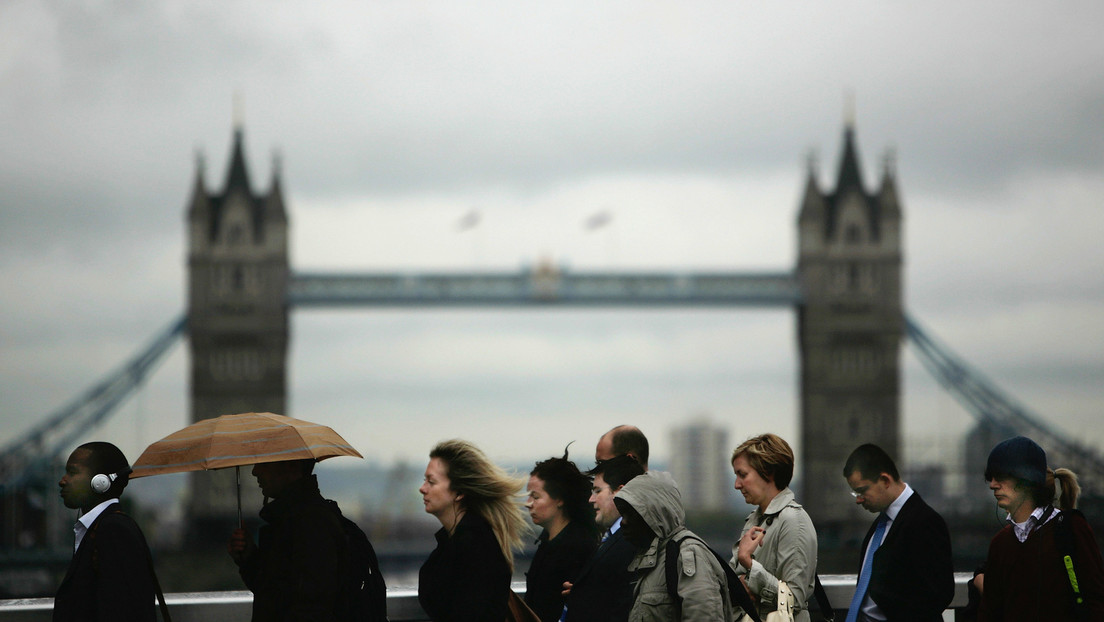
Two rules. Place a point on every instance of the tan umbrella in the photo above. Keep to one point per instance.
(235, 440)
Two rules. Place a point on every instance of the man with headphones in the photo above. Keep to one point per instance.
(111, 574)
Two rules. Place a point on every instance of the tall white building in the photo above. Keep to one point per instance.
(699, 463)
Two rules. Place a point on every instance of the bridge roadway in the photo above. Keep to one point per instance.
(402, 603)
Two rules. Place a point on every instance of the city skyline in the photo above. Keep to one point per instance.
(620, 137)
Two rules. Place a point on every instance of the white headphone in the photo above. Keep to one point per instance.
(102, 483)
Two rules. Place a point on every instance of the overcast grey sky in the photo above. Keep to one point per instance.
(690, 122)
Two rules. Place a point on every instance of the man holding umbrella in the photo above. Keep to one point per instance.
(295, 570)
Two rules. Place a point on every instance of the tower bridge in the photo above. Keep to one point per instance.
(846, 289)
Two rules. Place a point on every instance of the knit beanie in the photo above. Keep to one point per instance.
(1019, 457)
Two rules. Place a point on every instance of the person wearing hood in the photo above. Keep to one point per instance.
(295, 569)
(651, 516)
(778, 542)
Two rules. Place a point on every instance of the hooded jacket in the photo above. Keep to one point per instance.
(702, 583)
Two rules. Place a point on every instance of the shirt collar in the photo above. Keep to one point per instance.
(94, 513)
(615, 526)
(84, 522)
(1024, 529)
(895, 508)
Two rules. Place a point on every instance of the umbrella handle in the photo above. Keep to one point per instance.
(237, 478)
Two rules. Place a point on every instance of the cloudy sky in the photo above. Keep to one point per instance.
(690, 123)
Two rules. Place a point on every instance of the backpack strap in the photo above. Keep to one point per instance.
(826, 611)
(736, 592)
(1063, 538)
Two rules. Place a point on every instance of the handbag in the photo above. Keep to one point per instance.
(518, 611)
(785, 611)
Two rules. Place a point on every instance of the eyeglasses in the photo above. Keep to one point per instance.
(860, 492)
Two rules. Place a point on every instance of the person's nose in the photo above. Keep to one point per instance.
(993, 484)
(422, 489)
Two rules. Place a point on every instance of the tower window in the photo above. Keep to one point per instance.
(853, 234)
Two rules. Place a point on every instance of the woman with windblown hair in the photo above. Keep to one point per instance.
(467, 577)
(1026, 574)
(558, 502)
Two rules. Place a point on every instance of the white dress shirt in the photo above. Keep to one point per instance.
(869, 607)
(85, 521)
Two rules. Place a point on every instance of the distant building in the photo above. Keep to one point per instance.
(699, 463)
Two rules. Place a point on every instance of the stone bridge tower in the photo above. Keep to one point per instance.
(237, 320)
(850, 329)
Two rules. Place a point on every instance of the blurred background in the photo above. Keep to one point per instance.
(484, 137)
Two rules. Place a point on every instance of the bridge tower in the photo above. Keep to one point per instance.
(850, 329)
(237, 320)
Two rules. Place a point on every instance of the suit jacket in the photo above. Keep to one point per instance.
(109, 577)
(912, 577)
(603, 591)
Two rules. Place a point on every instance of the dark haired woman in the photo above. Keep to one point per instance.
(1026, 576)
(467, 577)
(559, 502)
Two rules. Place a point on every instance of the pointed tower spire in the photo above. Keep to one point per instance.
(814, 199)
(277, 169)
(201, 172)
(850, 174)
(237, 175)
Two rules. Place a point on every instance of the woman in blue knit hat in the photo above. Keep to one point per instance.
(1027, 574)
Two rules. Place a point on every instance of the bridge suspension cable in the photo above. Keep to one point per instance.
(989, 405)
(39, 447)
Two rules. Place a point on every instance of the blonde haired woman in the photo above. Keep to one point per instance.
(778, 541)
(467, 577)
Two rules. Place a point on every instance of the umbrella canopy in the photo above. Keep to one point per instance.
(235, 440)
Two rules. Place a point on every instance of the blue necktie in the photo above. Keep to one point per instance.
(868, 564)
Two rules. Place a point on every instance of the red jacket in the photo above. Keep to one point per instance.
(1028, 581)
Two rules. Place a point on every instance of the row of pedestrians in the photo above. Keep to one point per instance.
(613, 544)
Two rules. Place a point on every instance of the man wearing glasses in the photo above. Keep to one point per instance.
(906, 572)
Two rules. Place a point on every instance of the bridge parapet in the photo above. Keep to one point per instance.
(402, 603)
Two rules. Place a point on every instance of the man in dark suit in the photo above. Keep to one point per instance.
(905, 572)
(603, 591)
(110, 576)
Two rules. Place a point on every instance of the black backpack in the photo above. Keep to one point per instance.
(364, 592)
